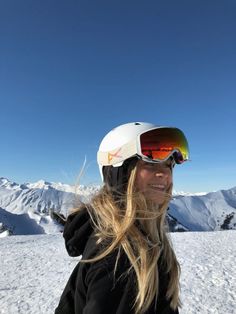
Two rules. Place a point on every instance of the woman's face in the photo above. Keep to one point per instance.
(154, 179)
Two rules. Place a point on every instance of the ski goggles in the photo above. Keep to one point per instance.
(154, 145)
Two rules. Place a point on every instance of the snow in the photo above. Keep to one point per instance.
(35, 201)
(28, 223)
(35, 266)
(42, 196)
(183, 193)
(35, 269)
(212, 211)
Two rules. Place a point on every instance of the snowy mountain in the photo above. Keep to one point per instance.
(29, 208)
(212, 211)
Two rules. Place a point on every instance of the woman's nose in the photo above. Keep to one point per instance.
(161, 173)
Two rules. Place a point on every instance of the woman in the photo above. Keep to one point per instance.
(128, 264)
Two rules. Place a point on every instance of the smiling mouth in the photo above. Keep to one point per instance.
(158, 187)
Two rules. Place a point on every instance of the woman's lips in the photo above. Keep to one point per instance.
(159, 187)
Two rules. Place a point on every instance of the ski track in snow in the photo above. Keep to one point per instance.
(35, 269)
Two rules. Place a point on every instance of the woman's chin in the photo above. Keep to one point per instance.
(157, 198)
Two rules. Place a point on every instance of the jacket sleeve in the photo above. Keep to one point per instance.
(106, 293)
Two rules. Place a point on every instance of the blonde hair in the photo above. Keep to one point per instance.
(138, 227)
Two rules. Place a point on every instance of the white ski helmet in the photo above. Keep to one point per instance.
(123, 142)
(117, 139)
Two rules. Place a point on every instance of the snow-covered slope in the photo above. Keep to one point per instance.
(40, 196)
(35, 269)
(212, 211)
(27, 208)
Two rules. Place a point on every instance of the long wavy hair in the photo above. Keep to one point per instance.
(132, 223)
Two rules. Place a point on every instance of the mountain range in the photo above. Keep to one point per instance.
(30, 208)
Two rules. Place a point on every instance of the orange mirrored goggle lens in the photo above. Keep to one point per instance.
(158, 144)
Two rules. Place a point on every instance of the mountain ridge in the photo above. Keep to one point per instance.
(35, 202)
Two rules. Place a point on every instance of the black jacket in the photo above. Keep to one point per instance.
(92, 287)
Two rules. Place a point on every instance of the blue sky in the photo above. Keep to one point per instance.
(72, 70)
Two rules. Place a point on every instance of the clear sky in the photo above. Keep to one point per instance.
(72, 70)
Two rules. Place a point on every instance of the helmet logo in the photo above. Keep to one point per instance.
(111, 156)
